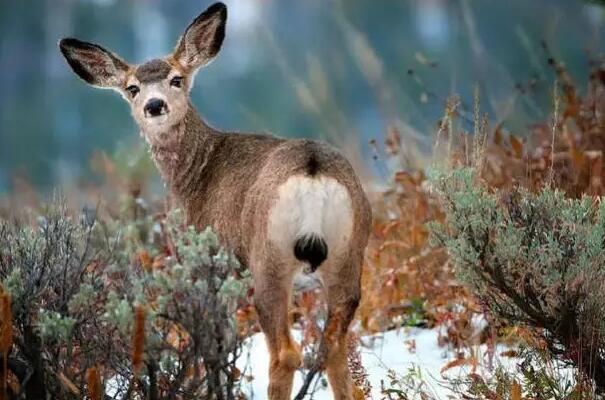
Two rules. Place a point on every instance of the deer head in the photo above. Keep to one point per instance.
(157, 90)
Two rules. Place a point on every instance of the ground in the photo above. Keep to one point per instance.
(397, 350)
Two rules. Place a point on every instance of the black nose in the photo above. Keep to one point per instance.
(154, 107)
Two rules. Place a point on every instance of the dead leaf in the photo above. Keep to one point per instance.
(68, 384)
(498, 135)
(358, 393)
(145, 260)
(509, 353)
(515, 391)
(458, 363)
(517, 145)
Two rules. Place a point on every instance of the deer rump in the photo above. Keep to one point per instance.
(312, 220)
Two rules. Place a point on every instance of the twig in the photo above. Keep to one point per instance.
(315, 369)
(555, 122)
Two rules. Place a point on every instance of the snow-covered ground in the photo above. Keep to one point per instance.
(391, 350)
(400, 351)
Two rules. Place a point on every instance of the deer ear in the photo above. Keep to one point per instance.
(203, 38)
(94, 64)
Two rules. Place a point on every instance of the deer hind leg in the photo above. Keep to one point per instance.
(272, 298)
(343, 295)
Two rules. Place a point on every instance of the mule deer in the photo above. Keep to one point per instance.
(281, 205)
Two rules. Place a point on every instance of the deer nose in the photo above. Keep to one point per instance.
(155, 107)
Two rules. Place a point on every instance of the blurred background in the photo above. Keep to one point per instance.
(345, 71)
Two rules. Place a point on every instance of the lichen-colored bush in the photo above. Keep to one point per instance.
(532, 258)
(147, 304)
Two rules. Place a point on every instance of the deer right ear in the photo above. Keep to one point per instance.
(203, 38)
(94, 64)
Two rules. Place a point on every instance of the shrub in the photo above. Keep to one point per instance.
(146, 304)
(44, 266)
(191, 298)
(537, 259)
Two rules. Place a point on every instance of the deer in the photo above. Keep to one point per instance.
(281, 205)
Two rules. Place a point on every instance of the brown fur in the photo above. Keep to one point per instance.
(230, 181)
(153, 71)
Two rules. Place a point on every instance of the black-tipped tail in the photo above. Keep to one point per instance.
(312, 249)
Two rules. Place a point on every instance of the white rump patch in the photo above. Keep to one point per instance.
(319, 205)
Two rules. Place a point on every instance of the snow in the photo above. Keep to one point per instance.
(379, 354)
(405, 351)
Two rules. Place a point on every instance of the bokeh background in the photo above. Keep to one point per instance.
(343, 70)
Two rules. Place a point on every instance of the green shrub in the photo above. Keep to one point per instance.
(533, 258)
(191, 337)
(76, 284)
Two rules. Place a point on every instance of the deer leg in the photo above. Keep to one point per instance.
(272, 298)
(343, 298)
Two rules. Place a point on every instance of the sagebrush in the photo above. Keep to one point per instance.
(147, 304)
(537, 259)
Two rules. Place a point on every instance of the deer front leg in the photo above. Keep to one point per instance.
(271, 298)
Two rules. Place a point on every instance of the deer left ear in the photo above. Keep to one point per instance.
(203, 38)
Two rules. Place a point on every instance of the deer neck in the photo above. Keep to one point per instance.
(183, 158)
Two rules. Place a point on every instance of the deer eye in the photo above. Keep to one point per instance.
(177, 81)
(133, 90)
